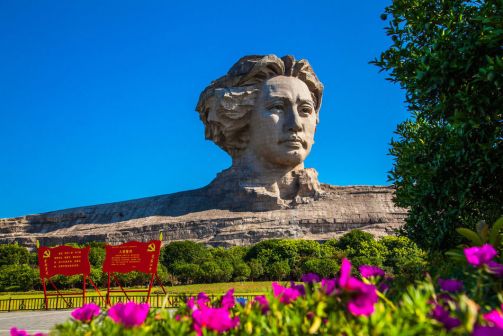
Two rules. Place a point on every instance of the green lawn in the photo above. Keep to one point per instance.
(258, 287)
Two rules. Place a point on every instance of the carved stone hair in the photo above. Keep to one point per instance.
(225, 105)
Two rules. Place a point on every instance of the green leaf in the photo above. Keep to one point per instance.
(456, 255)
(483, 230)
(470, 235)
(494, 235)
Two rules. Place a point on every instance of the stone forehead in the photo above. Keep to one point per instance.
(286, 86)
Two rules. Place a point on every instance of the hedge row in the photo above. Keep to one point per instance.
(187, 262)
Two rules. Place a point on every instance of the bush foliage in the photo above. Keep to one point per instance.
(187, 262)
(447, 56)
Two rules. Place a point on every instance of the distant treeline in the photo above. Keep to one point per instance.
(186, 262)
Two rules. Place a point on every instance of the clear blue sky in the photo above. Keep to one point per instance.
(97, 98)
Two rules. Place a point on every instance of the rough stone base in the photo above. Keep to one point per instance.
(183, 216)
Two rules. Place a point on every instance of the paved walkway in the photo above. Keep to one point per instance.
(32, 321)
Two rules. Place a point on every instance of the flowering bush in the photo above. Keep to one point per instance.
(129, 314)
(19, 332)
(86, 313)
(351, 303)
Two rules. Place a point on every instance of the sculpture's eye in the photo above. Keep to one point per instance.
(276, 108)
(305, 110)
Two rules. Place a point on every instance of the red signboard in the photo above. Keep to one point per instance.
(65, 260)
(132, 256)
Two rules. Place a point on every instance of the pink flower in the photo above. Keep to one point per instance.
(86, 313)
(363, 296)
(442, 315)
(480, 255)
(362, 303)
(310, 278)
(368, 271)
(228, 301)
(495, 317)
(486, 331)
(328, 285)
(450, 285)
(217, 319)
(130, 314)
(383, 287)
(201, 300)
(263, 303)
(345, 273)
(19, 332)
(495, 268)
(300, 288)
(346, 281)
(285, 294)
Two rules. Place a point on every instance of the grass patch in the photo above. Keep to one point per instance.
(255, 287)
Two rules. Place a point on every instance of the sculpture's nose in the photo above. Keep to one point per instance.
(293, 122)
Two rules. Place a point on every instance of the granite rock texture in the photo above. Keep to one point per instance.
(189, 215)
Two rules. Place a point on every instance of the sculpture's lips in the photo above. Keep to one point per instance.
(294, 142)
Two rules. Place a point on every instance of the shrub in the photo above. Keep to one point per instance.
(256, 269)
(279, 270)
(210, 272)
(270, 251)
(72, 281)
(183, 252)
(329, 249)
(367, 253)
(404, 258)
(352, 239)
(325, 267)
(97, 255)
(17, 277)
(185, 272)
(241, 271)
(13, 254)
(361, 248)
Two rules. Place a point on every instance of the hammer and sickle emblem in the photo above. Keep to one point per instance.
(47, 254)
(151, 247)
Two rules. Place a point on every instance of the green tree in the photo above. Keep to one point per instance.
(360, 247)
(256, 269)
(241, 271)
(210, 272)
(13, 254)
(98, 277)
(97, 254)
(352, 239)
(183, 252)
(278, 270)
(448, 156)
(186, 272)
(404, 258)
(18, 277)
(325, 267)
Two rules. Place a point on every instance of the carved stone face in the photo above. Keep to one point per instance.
(283, 124)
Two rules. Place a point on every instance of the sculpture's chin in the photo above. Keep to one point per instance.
(291, 158)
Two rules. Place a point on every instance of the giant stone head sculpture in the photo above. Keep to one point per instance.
(266, 107)
(264, 113)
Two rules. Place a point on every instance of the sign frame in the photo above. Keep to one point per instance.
(128, 257)
(62, 260)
